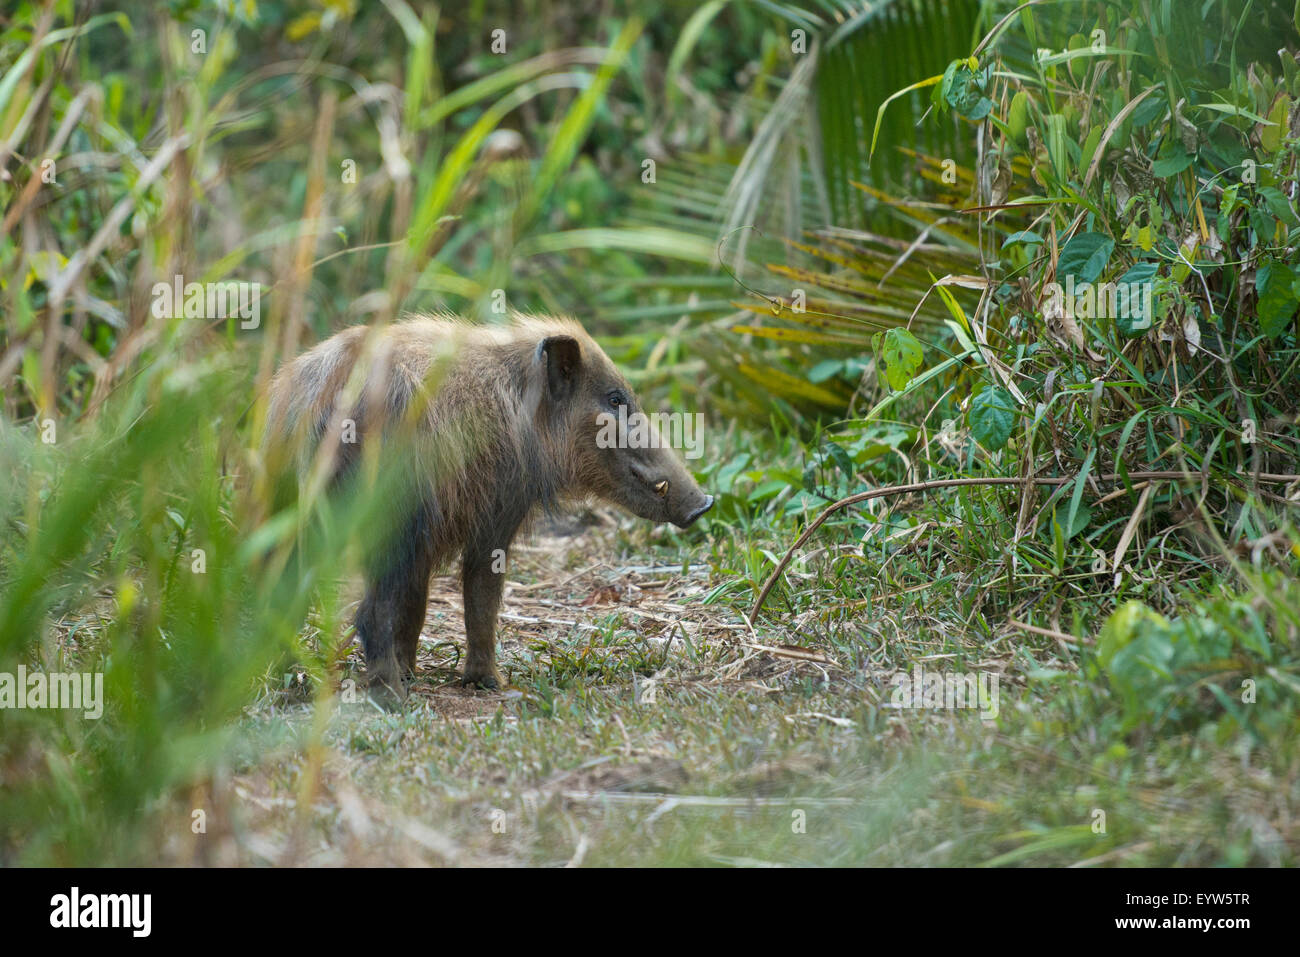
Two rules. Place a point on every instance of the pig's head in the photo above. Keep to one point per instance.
(600, 439)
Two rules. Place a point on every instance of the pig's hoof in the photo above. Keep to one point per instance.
(389, 695)
(488, 680)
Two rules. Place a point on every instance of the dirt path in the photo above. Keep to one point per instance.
(637, 672)
(567, 593)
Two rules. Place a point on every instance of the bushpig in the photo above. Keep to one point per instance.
(500, 422)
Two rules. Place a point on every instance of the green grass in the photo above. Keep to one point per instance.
(736, 761)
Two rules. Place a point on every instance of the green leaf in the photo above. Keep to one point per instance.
(1279, 205)
(1277, 299)
(963, 88)
(1133, 321)
(651, 240)
(1055, 139)
(568, 137)
(1140, 272)
(1126, 624)
(690, 35)
(825, 369)
(1018, 117)
(1085, 256)
(1082, 519)
(1168, 166)
(902, 354)
(1024, 236)
(1262, 222)
(880, 113)
(1148, 111)
(1079, 515)
(841, 458)
(1273, 134)
(15, 73)
(992, 417)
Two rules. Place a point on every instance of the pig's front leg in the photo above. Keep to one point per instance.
(483, 577)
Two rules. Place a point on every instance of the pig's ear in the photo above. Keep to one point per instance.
(561, 358)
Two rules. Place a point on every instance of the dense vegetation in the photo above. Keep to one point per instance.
(865, 239)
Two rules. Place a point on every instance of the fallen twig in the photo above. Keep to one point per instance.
(1061, 636)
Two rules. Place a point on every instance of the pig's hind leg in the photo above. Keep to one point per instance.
(392, 612)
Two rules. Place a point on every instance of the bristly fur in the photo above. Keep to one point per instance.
(473, 383)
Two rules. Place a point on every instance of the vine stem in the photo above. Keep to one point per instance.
(1270, 477)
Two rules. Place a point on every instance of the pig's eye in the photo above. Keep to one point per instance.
(616, 399)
